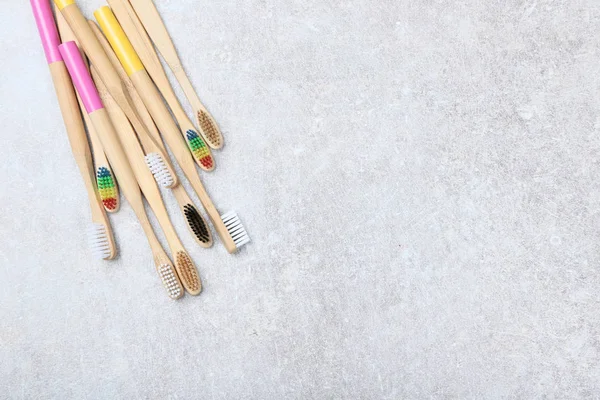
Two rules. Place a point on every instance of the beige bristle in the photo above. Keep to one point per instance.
(188, 273)
(169, 278)
(209, 130)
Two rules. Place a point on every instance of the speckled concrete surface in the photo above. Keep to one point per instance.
(418, 178)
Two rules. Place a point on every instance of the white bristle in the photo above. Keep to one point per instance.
(98, 242)
(159, 170)
(235, 228)
(167, 275)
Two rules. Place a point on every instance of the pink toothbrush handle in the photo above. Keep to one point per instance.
(81, 77)
(47, 28)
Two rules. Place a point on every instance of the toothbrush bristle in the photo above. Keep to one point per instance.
(107, 189)
(199, 149)
(159, 169)
(98, 242)
(197, 223)
(169, 279)
(235, 228)
(188, 273)
(209, 128)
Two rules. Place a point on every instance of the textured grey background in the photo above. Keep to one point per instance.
(418, 178)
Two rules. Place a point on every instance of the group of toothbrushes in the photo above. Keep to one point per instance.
(120, 96)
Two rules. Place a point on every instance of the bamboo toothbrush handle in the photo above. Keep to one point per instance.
(135, 70)
(92, 47)
(149, 93)
(158, 252)
(151, 145)
(99, 156)
(147, 144)
(71, 115)
(143, 46)
(188, 89)
(77, 137)
(136, 159)
(154, 25)
(67, 35)
(135, 32)
(116, 156)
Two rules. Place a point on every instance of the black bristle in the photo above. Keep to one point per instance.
(196, 223)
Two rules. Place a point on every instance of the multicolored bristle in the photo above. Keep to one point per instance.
(209, 130)
(200, 150)
(107, 187)
(197, 225)
(187, 273)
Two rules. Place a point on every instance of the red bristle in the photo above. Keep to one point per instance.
(207, 162)
(110, 204)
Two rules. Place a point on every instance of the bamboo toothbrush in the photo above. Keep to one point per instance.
(110, 141)
(228, 226)
(158, 162)
(183, 263)
(145, 50)
(100, 234)
(154, 25)
(105, 181)
(196, 223)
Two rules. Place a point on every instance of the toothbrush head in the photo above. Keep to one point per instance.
(107, 188)
(235, 228)
(159, 169)
(99, 242)
(187, 273)
(170, 280)
(197, 225)
(200, 150)
(209, 129)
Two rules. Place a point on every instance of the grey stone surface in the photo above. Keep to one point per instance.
(418, 178)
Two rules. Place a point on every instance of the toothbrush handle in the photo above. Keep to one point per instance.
(93, 50)
(69, 108)
(150, 17)
(116, 157)
(156, 29)
(67, 35)
(143, 46)
(149, 142)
